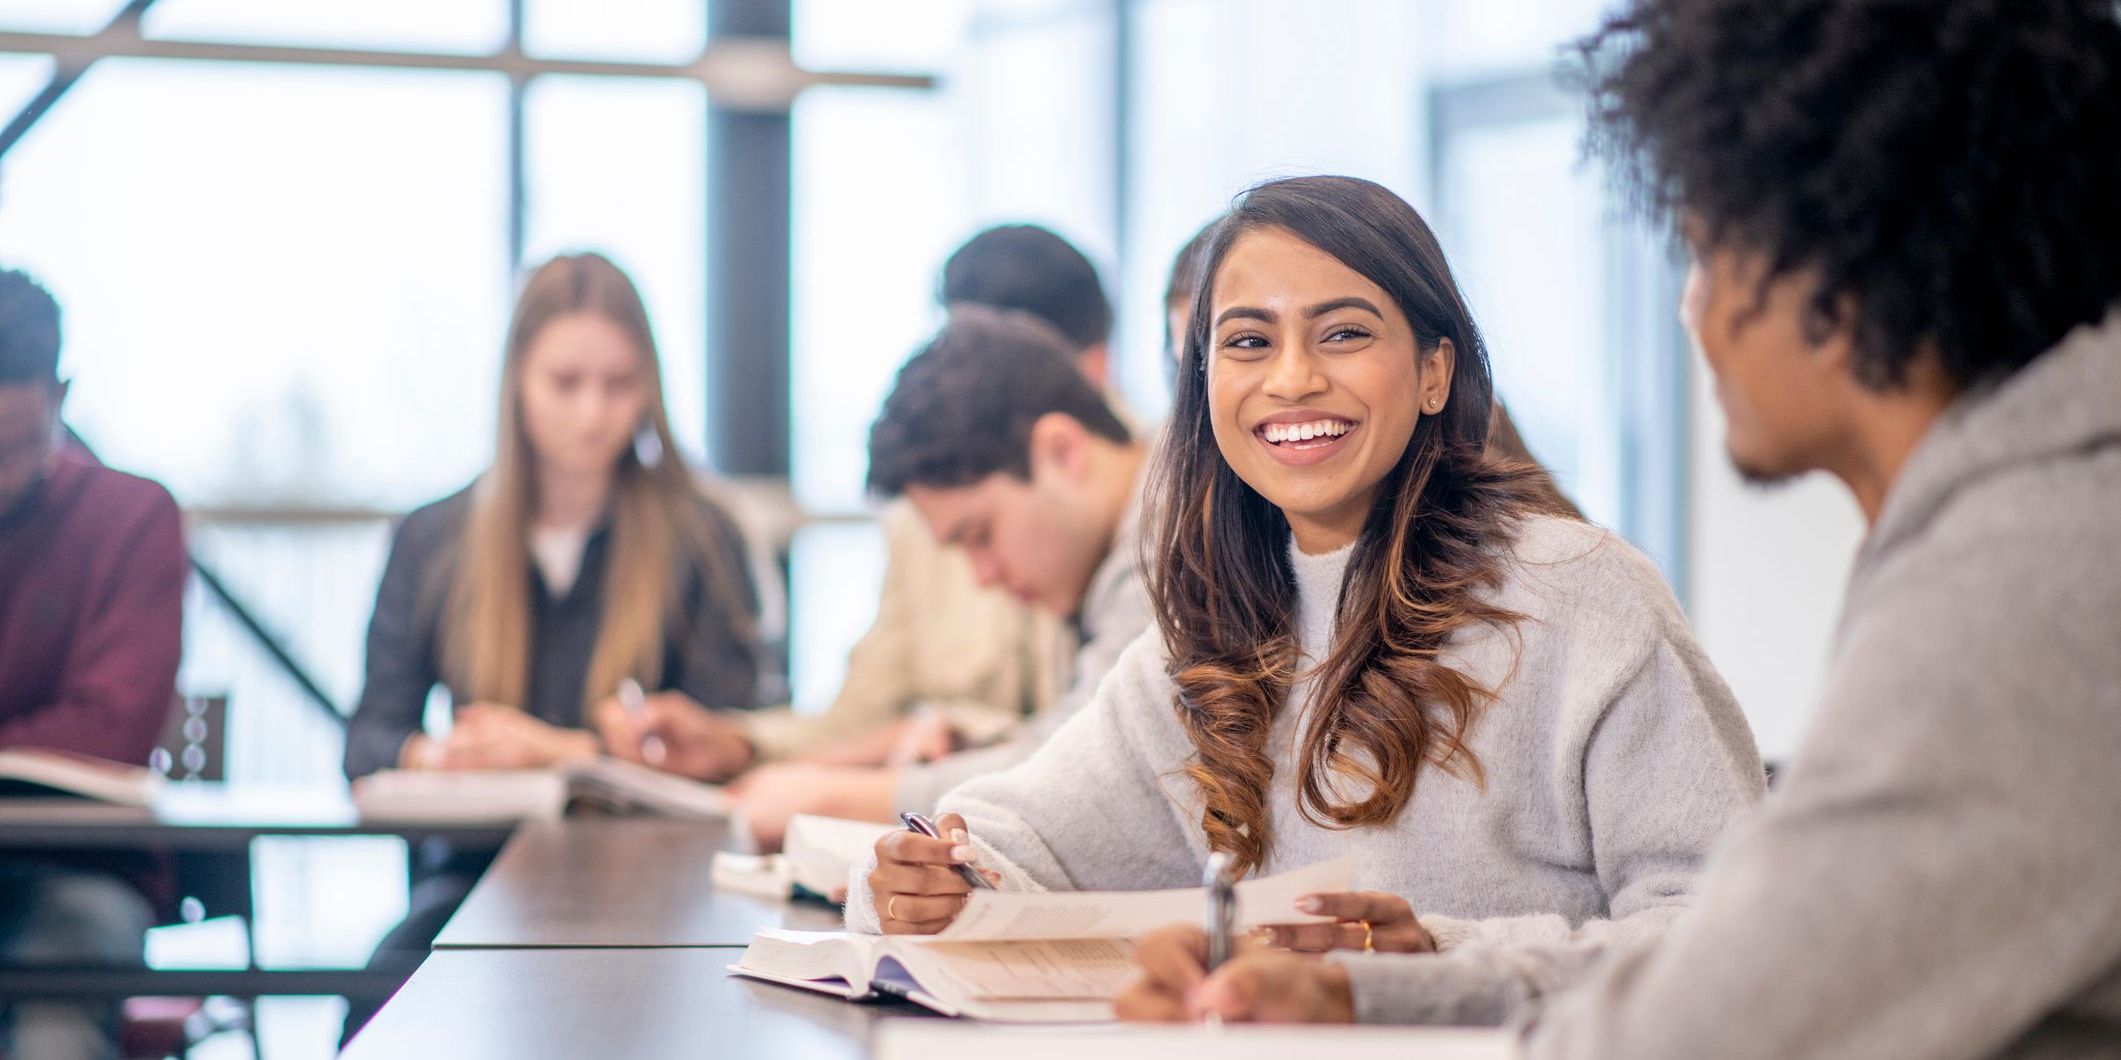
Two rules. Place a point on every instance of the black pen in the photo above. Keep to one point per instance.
(916, 822)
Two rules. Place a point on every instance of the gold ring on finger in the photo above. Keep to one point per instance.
(891, 908)
(1369, 943)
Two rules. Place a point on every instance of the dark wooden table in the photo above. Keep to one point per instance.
(615, 882)
(213, 817)
(205, 832)
(645, 1004)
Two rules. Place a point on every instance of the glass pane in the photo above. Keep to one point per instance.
(1034, 105)
(281, 285)
(1202, 127)
(620, 166)
(869, 241)
(1525, 233)
(57, 16)
(837, 575)
(471, 26)
(1475, 36)
(21, 77)
(863, 35)
(669, 31)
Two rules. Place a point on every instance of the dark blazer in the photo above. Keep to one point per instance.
(703, 656)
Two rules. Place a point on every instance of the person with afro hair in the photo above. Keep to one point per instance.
(1905, 222)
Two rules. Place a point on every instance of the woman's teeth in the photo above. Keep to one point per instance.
(1283, 433)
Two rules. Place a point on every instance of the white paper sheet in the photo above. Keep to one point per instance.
(997, 915)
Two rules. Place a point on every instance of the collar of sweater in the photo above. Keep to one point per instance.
(1318, 581)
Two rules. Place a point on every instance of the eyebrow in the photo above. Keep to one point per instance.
(1246, 312)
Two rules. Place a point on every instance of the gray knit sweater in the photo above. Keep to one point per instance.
(1613, 754)
(1940, 873)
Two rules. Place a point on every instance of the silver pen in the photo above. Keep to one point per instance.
(1221, 885)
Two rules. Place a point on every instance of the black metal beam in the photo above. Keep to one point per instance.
(749, 161)
(127, 20)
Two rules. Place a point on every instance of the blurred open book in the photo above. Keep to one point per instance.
(816, 856)
(61, 773)
(604, 784)
(1020, 956)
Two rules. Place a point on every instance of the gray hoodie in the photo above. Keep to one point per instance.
(1940, 875)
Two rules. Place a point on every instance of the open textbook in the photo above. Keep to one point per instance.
(816, 855)
(40, 772)
(911, 1039)
(1020, 956)
(607, 784)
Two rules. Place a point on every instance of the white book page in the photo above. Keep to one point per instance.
(821, 851)
(1003, 915)
(460, 795)
(904, 1039)
(1037, 970)
(650, 789)
(92, 778)
(811, 955)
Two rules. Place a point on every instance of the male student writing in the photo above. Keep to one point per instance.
(1907, 250)
(1009, 453)
(92, 572)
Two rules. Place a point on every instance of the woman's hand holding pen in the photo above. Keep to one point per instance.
(1257, 985)
(915, 882)
(1364, 921)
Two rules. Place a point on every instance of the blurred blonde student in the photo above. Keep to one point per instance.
(586, 555)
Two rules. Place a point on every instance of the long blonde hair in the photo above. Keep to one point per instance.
(656, 509)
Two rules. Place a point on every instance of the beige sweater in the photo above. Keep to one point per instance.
(938, 639)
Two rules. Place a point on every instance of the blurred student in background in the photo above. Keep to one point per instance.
(948, 664)
(1010, 455)
(92, 573)
(585, 556)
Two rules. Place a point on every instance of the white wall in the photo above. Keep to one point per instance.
(1765, 575)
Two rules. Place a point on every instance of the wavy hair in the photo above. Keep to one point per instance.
(1435, 538)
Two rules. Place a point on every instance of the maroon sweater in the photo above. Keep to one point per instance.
(92, 573)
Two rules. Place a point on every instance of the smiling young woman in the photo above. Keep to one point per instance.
(1374, 640)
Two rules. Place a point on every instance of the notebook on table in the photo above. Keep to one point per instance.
(605, 784)
(1020, 956)
(41, 773)
(816, 855)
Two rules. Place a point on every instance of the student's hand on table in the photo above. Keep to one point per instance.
(769, 795)
(490, 736)
(871, 748)
(696, 742)
(915, 882)
(1362, 921)
(925, 736)
(1257, 985)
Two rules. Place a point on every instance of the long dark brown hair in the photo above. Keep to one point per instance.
(1436, 537)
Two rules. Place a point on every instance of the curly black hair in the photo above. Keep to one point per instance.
(29, 330)
(963, 407)
(1950, 168)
